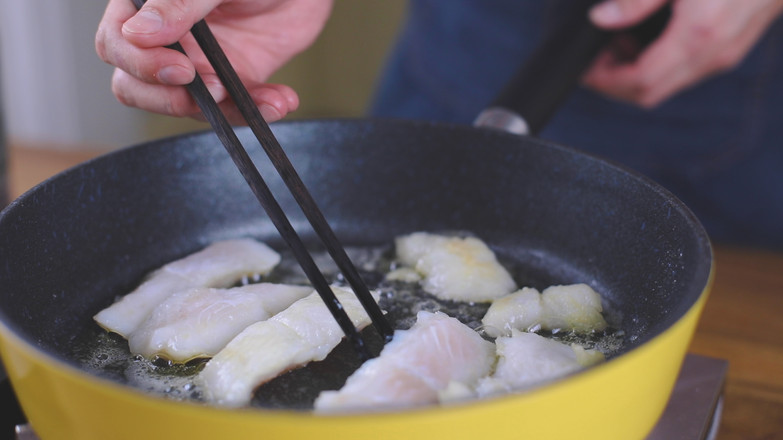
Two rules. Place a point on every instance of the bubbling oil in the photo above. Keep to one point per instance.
(107, 355)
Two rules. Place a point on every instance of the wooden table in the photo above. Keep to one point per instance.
(742, 321)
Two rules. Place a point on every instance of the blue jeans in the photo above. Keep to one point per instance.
(717, 146)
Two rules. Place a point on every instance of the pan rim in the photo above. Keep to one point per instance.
(705, 248)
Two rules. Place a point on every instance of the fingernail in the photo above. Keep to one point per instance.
(270, 113)
(145, 22)
(608, 12)
(175, 75)
(215, 88)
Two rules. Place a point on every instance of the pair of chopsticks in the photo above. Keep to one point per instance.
(277, 156)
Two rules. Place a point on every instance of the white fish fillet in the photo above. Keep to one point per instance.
(199, 322)
(575, 307)
(528, 359)
(220, 264)
(455, 268)
(302, 333)
(413, 368)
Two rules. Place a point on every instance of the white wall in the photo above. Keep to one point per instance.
(55, 89)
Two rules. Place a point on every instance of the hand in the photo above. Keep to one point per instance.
(703, 37)
(258, 36)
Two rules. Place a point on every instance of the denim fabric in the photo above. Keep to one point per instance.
(718, 146)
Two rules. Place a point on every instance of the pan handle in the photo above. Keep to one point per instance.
(554, 69)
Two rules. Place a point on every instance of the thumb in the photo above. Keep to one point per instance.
(618, 14)
(163, 22)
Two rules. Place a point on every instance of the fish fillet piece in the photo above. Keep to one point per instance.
(220, 264)
(455, 268)
(200, 321)
(302, 333)
(528, 359)
(413, 368)
(575, 307)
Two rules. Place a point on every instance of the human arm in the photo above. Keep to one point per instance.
(702, 38)
(258, 36)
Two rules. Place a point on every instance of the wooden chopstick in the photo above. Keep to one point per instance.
(228, 76)
(253, 178)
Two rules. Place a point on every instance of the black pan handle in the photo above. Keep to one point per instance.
(554, 69)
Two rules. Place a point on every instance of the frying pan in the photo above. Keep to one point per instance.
(74, 243)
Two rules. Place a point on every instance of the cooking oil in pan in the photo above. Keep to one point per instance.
(107, 355)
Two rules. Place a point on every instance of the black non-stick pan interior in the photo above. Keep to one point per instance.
(71, 245)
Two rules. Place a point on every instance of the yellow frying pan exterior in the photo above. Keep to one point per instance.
(621, 399)
(177, 191)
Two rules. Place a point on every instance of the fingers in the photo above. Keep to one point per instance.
(157, 98)
(274, 101)
(618, 14)
(702, 38)
(155, 65)
(162, 22)
(666, 67)
(149, 76)
(647, 81)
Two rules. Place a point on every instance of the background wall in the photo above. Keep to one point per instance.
(56, 92)
(55, 89)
